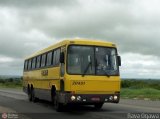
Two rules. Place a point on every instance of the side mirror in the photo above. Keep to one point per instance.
(62, 57)
(119, 60)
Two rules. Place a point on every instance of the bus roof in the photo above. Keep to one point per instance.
(74, 41)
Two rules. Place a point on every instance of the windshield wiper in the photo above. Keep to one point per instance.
(106, 74)
(85, 71)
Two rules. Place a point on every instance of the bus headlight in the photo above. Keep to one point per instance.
(73, 97)
(115, 97)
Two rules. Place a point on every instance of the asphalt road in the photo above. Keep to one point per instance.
(15, 101)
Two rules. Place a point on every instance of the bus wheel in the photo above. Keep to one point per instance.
(98, 106)
(58, 105)
(34, 99)
(29, 94)
(53, 94)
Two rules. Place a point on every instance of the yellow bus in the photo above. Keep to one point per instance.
(74, 71)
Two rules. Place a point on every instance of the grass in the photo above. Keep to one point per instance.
(143, 93)
(10, 82)
(140, 89)
(10, 85)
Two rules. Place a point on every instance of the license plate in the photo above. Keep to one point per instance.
(95, 99)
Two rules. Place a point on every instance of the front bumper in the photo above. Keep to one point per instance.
(88, 98)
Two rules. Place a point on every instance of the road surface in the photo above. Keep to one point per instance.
(16, 102)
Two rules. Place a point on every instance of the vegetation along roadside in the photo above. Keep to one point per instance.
(130, 88)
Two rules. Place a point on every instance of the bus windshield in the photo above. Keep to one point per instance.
(92, 60)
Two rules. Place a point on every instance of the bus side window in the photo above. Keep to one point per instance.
(25, 65)
(33, 63)
(43, 61)
(53, 57)
(38, 61)
(29, 64)
(49, 58)
(56, 57)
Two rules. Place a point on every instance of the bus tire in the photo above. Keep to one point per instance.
(34, 99)
(58, 105)
(53, 94)
(98, 106)
(29, 93)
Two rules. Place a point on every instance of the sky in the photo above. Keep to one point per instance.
(27, 26)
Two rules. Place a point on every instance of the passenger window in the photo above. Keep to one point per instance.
(30, 64)
(43, 62)
(38, 61)
(56, 57)
(33, 63)
(49, 58)
(25, 65)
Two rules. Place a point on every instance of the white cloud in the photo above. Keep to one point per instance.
(4, 59)
(27, 26)
(138, 65)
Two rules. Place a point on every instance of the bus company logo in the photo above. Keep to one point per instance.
(4, 116)
(78, 83)
(44, 72)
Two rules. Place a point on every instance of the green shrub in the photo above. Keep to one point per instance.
(139, 84)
